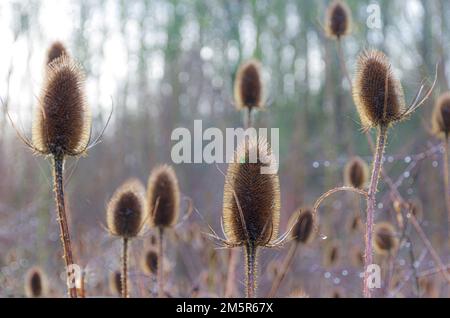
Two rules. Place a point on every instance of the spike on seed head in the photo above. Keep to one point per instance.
(441, 116)
(374, 86)
(115, 283)
(150, 262)
(35, 283)
(338, 19)
(56, 50)
(302, 226)
(356, 173)
(163, 195)
(126, 210)
(384, 239)
(248, 87)
(62, 121)
(257, 194)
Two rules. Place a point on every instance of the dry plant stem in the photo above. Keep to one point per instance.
(232, 262)
(284, 269)
(249, 123)
(58, 165)
(124, 278)
(251, 270)
(343, 65)
(446, 182)
(378, 157)
(160, 263)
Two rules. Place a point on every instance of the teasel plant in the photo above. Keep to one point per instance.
(248, 89)
(251, 205)
(61, 129)
(126, 214)
(36, 285)
(302, 234)
(163, 195)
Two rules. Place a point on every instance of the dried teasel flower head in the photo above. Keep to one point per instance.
(163, 196)
(377, 93)
(150, 262)
(338, 19)
(35, 283)
(56, 50)
(384, 240)
(302, 225)
(248, 86)
(441, 116)
(127, 210)
(251, 199)
(62, 121)
(356, 173)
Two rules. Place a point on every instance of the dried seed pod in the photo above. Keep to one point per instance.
(62, 121)
(356, 173)
(126, 210)
(302, 226)
(331, 255)
(338, 19)
(375, 87)
(150, 262)
(441, 116)
(251, 200)
(35, 283)
(163, 196)
(115, 283)
(56, 50)
(384, 239)
(248, 87)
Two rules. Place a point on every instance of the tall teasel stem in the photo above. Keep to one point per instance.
(446, 179)
(160, 263)
(251, 269)
(124, 276)
(377, 163)
(248, 123)
(58, 165)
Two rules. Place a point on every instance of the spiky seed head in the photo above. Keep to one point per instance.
(374, 86)
(441, 116)
(384, 239)
(163, 194)
(62, 120)
(302, 226)
(115, 283)
(356, 173)
(126, 209)
(150, 262)
(35, 283)
(332, 254)
(248, 87)
(256, 194)
(338, 19)
(56, 50)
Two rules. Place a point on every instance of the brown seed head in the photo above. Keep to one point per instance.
(356, 173)
(150, 262)
(338, 19)
(441, 116)
(302, 226)
(62, 121)
(126, 210)
(248, 87)
(384, 239)
(163, 196)
(56, 50)
(374, 87)
(35, 283)
(257, 195)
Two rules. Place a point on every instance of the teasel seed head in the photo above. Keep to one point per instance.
(356, 173)
(115, 283)
(56, 50)
(374, 84)
(441, 116)
(255, 193)
(127, 210)
(384, 240)
(163, 194)
(62, 120)
(150, 262)
(35, 283)
(332, 255)
(248, 86)
(338, 19)
(302, 226)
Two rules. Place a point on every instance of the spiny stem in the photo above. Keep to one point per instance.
(284, 269)
(252, 271)
(446, 181)
(377, 163)
(58, 168)
(124, 277)
(160, 264)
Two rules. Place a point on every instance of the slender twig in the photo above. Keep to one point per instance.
(343, 64)
(124, 277)
(284, 269)
(58, 165)
(248, 122)
(252, 272)
(160, 263)
(446, 180)
(232, 262)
